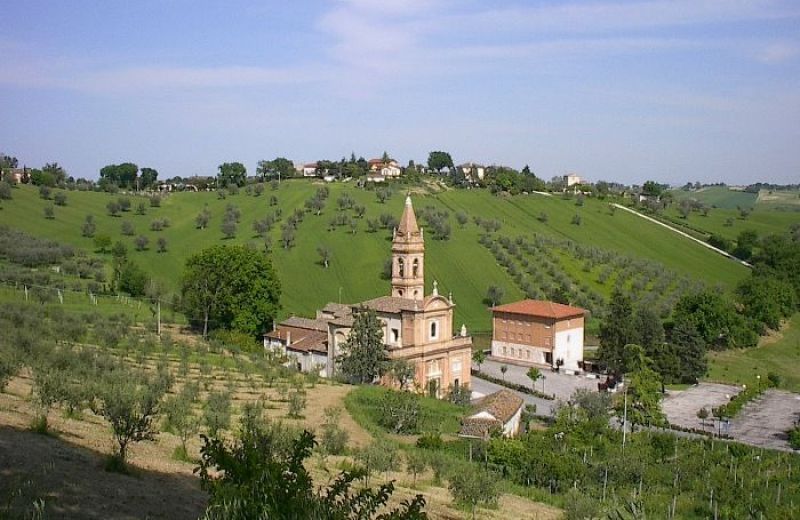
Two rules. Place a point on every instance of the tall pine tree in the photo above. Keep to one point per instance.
(617, 331)
(362, 358)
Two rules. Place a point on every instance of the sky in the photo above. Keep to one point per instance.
(685, 90)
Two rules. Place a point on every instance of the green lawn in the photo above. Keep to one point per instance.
(364, 404)
(461, 265)
(781, 356)
(718, 197)
(763, 220)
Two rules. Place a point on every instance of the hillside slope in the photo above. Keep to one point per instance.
(461, 265)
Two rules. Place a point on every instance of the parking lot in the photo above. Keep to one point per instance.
(558, 384)
(762, 422)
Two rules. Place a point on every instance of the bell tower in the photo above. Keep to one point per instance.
(408, 257)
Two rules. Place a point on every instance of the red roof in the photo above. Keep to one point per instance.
(541, 309)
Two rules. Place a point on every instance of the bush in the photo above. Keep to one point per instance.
(217, 412)
(794, 438)
(60, 198)
(400, 412)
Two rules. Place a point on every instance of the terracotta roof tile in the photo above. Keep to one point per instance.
(305, 323)
(313, 342)
(502, 405)
(390, 304)
(477, 427)
(540, 308)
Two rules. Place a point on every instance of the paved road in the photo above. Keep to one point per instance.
(483, 387)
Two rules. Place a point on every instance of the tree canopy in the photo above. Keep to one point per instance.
(438, 160)
(232, 287)
(362, 357)
(231, 174)
(123, 175)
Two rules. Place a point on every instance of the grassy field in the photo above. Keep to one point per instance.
(718, 197)
(763, 220)
(779, 354)
(461, 265)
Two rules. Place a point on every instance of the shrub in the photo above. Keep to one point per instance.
(60, 198)
(49, 212)
(141, 242)
(217, 412)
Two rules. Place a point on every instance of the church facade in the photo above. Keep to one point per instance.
(417, 328)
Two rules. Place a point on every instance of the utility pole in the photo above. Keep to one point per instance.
(625, 420)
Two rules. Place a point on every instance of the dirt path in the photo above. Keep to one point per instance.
(686, 235)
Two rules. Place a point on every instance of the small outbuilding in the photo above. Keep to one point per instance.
(500, 411)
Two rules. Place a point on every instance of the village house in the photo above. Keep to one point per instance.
(500, 411)
(539, 333)
(417, 328)
(16, 175)
(472, 172)
(572, 178)
(387, 169)
(304, 341)
(308, 169)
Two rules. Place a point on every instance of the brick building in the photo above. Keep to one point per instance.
(539, 333)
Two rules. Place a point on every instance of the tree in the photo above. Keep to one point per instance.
(132, 279)
(180, 418)
(217, 412)
(703, 414)
(644, 398)
(494, 295)
(5, 190)
(416, 462)
(297, 403)
(88, 227)
(745, 243)
(230, 287)
(402, 371)
(102, 243)
(229, 229)
(147, 178)
(249, 480)
(123, 175)
(362, 357)
(324, 253)
(617, 330)
(127, 228)
(231, 174)
(129, 400)
(767, 298)
(202, 218)
(334, 438)
(113, 208)
(534, 374)
(400, 412)
(141, 242)
(49, 212)
(44, 192)
(439, 160)
(161, 245)
(649, 329)
(503, 370)
(478, 357)
(716, 320)
(473, 488)
(690, 349)
(652, 189)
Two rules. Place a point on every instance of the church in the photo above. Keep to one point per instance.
(416, 328)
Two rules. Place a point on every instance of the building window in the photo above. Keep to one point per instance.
(400, 292)
(568, 338)
(528, 354)
(512, 352)
(416, 295)
(456, 383)
(504, 351)
(395, 335)
(415, 267)
(434, 330)
(400, 268)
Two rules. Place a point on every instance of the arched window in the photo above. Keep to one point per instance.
(400, 292)
(434, 330)
(400, 268)
(415, 267)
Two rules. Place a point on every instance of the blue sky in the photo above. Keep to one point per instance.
(703, 90)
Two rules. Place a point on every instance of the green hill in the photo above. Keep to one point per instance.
(541, 246)
(718, 197)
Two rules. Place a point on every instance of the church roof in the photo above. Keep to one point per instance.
(305, 323)
(392, 304)
(408, 221)
(541, 309)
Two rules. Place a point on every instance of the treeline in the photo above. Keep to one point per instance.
(707, 319)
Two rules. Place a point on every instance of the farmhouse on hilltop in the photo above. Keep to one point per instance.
(539, 333)
(416, 328)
